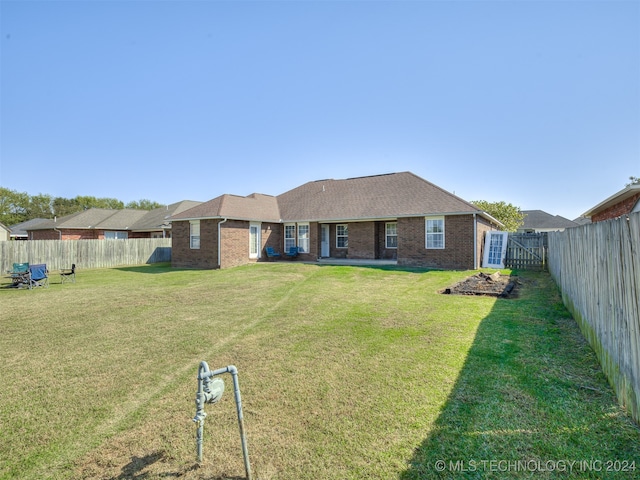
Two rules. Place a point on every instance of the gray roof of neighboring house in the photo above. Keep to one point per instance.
(582, 220)
(116, 219)
(538, 219)
(374, 197)
(160, 218)
(20, 229)
(253, 207)
(94, 218)
(614, 199)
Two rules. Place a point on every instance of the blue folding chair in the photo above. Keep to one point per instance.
(38, 276)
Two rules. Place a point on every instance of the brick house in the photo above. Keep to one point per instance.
(101, 223)
(397, 216)
(624, 202)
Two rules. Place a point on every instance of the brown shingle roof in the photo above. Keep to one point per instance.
(391, 195)
(379, 196)
(253, 207)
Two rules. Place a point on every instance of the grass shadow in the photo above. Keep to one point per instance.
(530, 400)
(153, 268)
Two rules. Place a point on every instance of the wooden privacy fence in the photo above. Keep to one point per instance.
(597, 268)
(59, 254)
(526, 251)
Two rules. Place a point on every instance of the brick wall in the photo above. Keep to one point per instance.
(622, 208)
(183, 256)
(65, 234)
(362, 240)
(235, 243)
(459, 243)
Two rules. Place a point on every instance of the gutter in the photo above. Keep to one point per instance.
(220, 243)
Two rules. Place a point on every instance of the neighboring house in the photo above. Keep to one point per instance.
(397, 216)
(582, 220)
(5, 232)
(624, 202)
(19, 230)
(537, 221)
(100, 223)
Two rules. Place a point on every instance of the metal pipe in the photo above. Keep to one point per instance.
(204, 395)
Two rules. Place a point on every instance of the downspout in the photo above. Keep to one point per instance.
(220, 243)
(55, 219)
(475, 241)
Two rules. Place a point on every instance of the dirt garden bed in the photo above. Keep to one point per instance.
(495, 285)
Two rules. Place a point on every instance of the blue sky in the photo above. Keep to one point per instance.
(535, 103)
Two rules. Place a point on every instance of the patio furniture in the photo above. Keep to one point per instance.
(38, 276)
(68, 274)
(19, 275)
(292, 252)
(271, 253)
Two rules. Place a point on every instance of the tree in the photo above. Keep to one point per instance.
(633, 181)
(143, 204)
(18, 207)
(40, 206)
(14, 207)
(508, 214)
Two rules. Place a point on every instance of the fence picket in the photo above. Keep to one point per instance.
(58, 254)
(597, 268)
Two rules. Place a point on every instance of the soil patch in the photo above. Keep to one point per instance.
(495, 285)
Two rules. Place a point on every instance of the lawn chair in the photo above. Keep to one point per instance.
(68, 275)
(20, 274)
(271, 253)
(38, 276)
(292, 253)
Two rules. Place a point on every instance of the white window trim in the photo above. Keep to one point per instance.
(306, 240)
(426, 233)
(346, 225)
(287, 247)
(386, 235)
(192, 237)
(258, 227)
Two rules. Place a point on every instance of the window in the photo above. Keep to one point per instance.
(434, 232)
(392, 235)
(194, 234)
(254, 240)
(303, 238)
(116, 235)
(289, 236)
(342, 236)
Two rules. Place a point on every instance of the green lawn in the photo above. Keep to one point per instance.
(345, 373)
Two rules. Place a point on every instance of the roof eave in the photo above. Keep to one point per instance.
(613, 199)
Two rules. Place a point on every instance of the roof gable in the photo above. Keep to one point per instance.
(379, 196)
(256, 206)
(390, 195)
